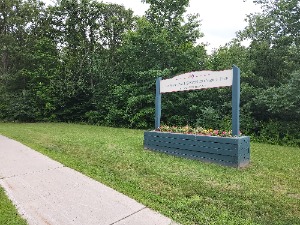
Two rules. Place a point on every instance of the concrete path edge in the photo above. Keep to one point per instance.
(46, 192)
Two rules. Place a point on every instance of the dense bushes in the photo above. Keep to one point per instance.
(85, 61)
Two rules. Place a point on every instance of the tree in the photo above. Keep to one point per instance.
(166, 14)
(275, 39)
(89, 35)
(283, 102)
(28, 58)
(162, 41)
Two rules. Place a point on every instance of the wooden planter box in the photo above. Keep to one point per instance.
(229, 151)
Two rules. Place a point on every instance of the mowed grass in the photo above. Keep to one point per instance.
(190, 192)
(8, 213)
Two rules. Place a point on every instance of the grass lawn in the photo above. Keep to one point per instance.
(8, 213)
(190, 192)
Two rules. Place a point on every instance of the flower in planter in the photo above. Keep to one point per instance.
(216, 133)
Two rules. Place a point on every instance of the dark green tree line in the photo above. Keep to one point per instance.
(88, 61)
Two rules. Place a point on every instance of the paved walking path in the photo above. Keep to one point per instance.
(46, 192)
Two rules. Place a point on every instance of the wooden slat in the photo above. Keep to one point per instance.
(232, 164)
(194, 137)
(170, 135)
(194, 142)
(198, 156)
(224, 140)
(196, 148)
(194, 153)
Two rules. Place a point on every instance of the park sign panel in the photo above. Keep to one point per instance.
(197, 80)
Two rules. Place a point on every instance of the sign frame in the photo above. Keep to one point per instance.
(235, 98)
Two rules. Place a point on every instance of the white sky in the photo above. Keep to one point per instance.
(221, 19)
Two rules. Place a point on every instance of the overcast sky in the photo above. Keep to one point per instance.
(221, 19)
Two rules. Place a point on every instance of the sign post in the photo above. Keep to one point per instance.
(236, 101)
(202, 80)
(157, 104)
